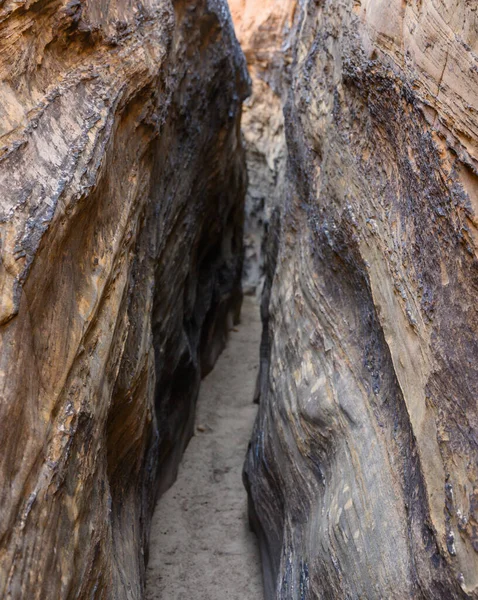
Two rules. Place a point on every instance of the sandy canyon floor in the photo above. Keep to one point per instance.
(201, 546)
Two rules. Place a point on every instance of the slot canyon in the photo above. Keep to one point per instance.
(238, 282)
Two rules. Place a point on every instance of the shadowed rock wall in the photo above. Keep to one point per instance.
(362, 470)
(122, 181)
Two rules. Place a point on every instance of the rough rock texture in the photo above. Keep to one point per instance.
(363, 468)
(122, 185)
(262, 29)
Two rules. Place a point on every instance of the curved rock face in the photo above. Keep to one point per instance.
(122, 183)
(362, 470)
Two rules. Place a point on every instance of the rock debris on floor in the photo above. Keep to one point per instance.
(201, 547)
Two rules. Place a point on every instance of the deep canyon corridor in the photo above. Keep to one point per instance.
(160, 162)
(201, 547)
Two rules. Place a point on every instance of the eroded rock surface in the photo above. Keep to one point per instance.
(121, 202)
(363, 471)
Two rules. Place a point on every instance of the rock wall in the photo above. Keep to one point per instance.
(122, 184)
(362, 470)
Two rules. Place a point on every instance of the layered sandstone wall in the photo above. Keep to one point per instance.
(122, 184)
(362, 470)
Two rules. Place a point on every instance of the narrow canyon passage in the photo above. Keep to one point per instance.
(201, 547)
(157, 158)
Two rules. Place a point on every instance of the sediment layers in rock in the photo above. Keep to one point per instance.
(122, 184)
(362, 470)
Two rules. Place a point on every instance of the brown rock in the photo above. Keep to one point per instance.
(363, 470)
(121, 191)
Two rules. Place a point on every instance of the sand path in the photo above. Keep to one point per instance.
(201, 546)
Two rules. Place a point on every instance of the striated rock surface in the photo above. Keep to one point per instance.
(122, 182)
(363, 467)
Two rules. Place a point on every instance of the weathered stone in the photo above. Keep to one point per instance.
(122, 184)
(362, 470)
